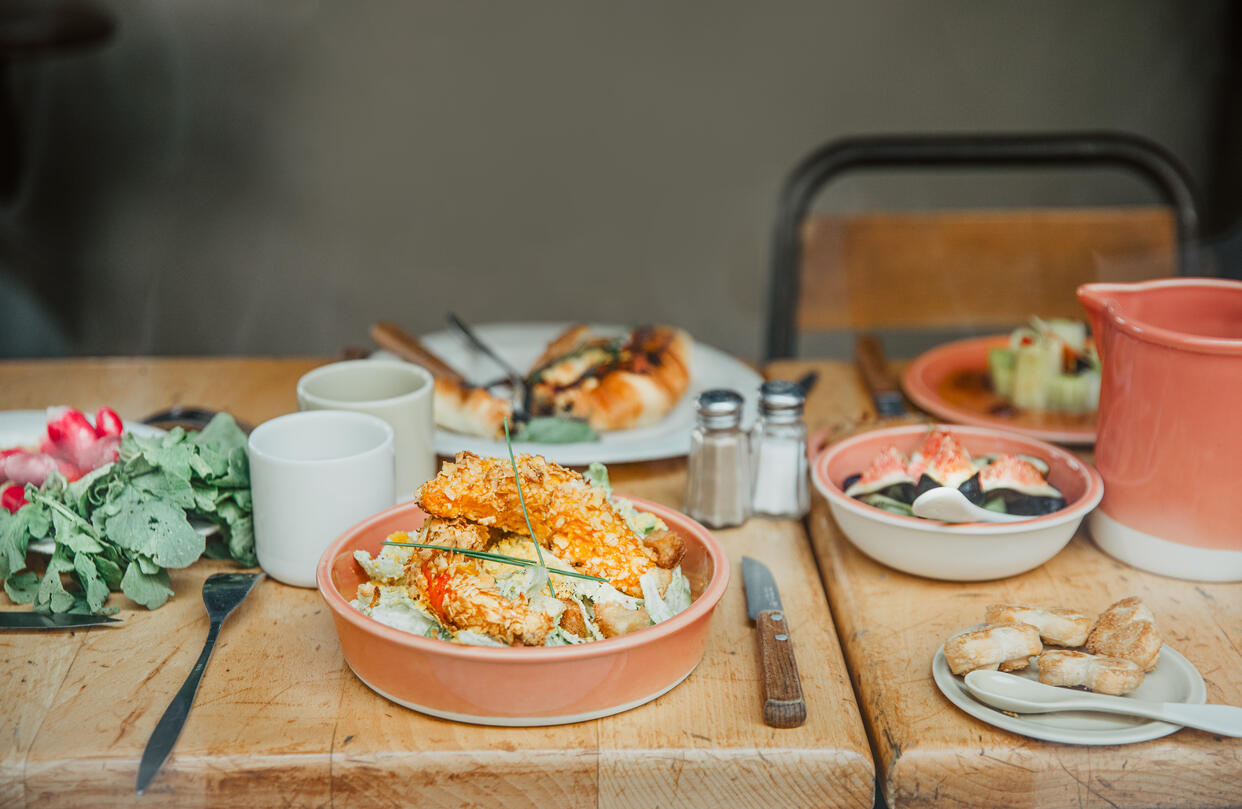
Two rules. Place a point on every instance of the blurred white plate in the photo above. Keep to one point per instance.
(522, 343)
(26, 428)
(1175, 679)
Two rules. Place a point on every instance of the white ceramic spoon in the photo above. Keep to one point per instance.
(1020, 695)
(950, 505)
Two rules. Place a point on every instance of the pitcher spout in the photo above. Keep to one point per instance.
(1195, 314)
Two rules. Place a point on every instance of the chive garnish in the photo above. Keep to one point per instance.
(488, 556)
(517, 480)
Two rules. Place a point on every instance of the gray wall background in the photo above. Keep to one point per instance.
(270, 178)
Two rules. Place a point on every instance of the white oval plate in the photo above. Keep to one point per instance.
(1175, 679)
(522, 343)
(26, 428)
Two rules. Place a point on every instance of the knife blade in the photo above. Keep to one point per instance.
(874, 367)
(45, 620)
(783, 703)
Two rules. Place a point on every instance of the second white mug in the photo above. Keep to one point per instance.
(398, 392)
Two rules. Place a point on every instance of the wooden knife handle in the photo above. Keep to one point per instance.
(873, 364)
(406, 346)
(783, 705)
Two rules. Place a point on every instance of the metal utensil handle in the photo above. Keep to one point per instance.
(475, 341)
(169, 727)
(783, 704)
(407, 347)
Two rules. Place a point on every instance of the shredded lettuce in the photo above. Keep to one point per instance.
(388, 567)
(559, 637)
(597, 475)
(640, 522)
(675, 599)
(398, 610)
(472, 638)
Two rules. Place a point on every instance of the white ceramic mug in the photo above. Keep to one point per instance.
(313, 475)
(398, 392)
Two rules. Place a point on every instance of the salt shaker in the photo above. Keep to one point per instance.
(778, 452)
(718, 483)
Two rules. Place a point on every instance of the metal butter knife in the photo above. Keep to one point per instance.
(874, 367)
(783, 704)
(222, 592)
(45, 620)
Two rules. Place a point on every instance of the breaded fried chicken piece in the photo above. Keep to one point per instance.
(570, 517)
(667, 546)
(459, 593)
(572, 619)
(613, 619)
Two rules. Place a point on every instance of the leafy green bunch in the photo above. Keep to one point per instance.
(122, 526)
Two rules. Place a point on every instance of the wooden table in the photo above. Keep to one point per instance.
(929, 753)
(281, 721)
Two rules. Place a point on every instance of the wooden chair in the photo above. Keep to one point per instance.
(966, 271)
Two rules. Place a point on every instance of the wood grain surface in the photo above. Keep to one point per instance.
(281, 721)
(960, 268)
(929, 753)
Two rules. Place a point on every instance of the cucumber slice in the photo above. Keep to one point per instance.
(1001, 362)
(1036, 365)
(1075, 393)
(1067, 393)
(887, 504)
(1093, 390)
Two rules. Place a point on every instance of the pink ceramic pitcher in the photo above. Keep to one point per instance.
(1169, 443)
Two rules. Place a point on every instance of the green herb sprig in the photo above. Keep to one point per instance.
(488, 556)
(517, 479)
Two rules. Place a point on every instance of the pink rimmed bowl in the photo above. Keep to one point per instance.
(964, 551)
(520, 686)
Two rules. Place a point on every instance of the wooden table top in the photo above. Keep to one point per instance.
(280, 720)
(929, 753)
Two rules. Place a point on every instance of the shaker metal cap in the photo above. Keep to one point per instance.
(779, 397)
(719, 407)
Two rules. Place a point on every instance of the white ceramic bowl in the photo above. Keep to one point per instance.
(965, 551)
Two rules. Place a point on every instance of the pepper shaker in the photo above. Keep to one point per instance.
(718, 481)
(778, 452)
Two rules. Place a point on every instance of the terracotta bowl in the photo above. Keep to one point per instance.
(964, 551)
(520, 686)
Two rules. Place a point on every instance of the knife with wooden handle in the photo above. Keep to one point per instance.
(392, 337)
(783, 703)
(874, 367)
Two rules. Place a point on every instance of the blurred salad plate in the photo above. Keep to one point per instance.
(956, 382)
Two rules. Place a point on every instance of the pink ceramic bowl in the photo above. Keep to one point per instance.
(955, 552)
(520, 686)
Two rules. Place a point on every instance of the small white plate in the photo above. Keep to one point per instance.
(522, 343)
(1175, 679)
(26, 428)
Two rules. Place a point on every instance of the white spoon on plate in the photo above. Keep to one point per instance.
(950, 505)
(1020, 695)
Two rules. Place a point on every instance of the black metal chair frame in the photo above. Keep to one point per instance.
(1086, 149)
